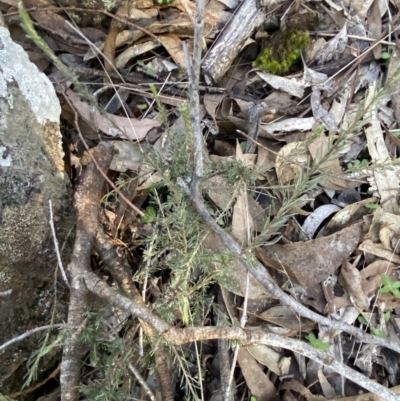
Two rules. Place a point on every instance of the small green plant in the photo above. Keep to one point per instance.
(316, 342)
(149, 70)
(358, 164)
(378, 332)
(282, 50)
(150, 215)
(374, 330)
(390, 286)
(362, 320)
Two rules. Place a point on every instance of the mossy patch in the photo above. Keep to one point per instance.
(282, 50)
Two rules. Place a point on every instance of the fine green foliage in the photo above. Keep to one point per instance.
(282, 51)
(316, 342)
(390, 286)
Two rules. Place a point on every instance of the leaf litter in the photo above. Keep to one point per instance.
(321, 136)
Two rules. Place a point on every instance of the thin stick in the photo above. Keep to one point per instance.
(29, 333)
(243, 319)
(142, 382)
(53, 231)
(363, 38)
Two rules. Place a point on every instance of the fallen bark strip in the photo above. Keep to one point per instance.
(249, 336)
(86, 202)
(218, 60)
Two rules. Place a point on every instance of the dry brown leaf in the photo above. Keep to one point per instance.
(320, 113)
(109, 47)
(361, 7)
(267, 153)
(290, 86)
(284, 317)
(212, 102)
(135, 51)
(330, 169)
(128, 157)
(312, 296)
(385, 228)
(271, 359)
(386, 180)
(242, 223)
(214, 13)
(374, 18)
(371, 275)
(115, 126)
(288, 125)
(352, 281)
(179, 26)
(313, 261)
(237, 276)
(248, 159)
(347, 216)
(327, 389)
(333, 48)
(54, 22)
(259, 383)
(292, 157)
(379, 251)
(296, 386)
(174, 47)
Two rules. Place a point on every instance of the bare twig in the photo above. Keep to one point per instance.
(29, 333)
(53, 232)
(142, 382)
(181, 336)
(243, 319)
(23, 393)
(254, 115)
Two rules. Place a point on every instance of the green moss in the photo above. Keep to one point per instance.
(282, 50)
